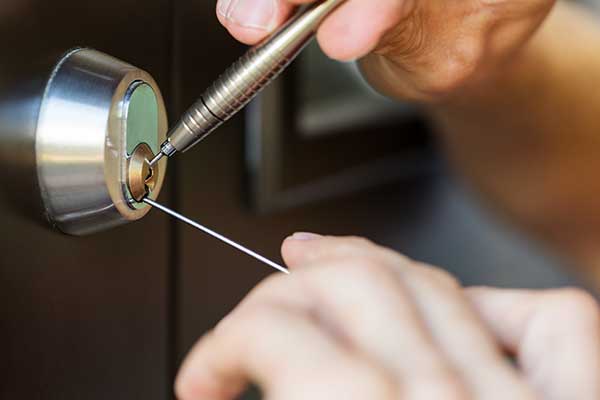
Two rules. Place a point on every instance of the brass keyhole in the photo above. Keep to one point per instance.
(141, 178)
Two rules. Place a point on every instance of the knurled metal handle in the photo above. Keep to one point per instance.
(255, 70)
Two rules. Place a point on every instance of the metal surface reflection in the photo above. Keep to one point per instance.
(76, 154)
(83, 317)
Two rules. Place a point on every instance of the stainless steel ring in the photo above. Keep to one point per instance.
(95, 109)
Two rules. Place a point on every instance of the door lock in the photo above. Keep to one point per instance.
(100, 120)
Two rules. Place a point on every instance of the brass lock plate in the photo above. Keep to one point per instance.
(142, 133)
(141, 178)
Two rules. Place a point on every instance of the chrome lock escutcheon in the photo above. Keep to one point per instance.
(100, 120)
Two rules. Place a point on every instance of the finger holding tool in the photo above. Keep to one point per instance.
(255, 70)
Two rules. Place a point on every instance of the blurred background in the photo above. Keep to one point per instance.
(112, 315)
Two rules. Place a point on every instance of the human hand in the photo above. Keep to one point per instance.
(421, 50)
(358, 321)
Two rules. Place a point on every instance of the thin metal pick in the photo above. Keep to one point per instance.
(156, 159)
(216, 235)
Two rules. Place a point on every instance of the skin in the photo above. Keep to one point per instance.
(508, 84)
(358, 321)
(503, 80)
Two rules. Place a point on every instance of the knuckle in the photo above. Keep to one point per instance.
(257, 314)
(580, 307)
(268, 284)
(246, 318)
(456, 69)
(370, 382)
(264, 290)
(451, 390)
(367, 267)
(447, 388)
(408, 40)
(439, 276)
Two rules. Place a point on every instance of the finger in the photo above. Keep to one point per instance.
(305, 248)
(352, 31)
(355, 29)
(461, 334)
(451, 321)
(285, 353)
(250, 21)
(365, 307)
(555, 335)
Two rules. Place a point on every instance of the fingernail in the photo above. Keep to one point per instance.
(257, 14)
(305, 236)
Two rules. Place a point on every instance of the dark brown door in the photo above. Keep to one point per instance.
(80, 318)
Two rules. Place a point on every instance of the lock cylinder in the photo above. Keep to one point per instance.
(100, 121)
(141, 177)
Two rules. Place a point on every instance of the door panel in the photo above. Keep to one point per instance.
(79, 317)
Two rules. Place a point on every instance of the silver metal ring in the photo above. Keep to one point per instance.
(92, 114)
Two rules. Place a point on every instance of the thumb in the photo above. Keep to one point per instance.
(555, 335)
(250, 21)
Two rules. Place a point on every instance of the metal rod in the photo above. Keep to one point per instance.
(239, 84)
(156, 159)
(214, 234)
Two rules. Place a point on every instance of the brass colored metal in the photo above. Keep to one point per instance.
(141, 177)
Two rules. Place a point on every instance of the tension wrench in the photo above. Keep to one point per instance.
(216, 235)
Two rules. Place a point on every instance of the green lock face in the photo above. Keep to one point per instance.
(141, 137)
(142, 118)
